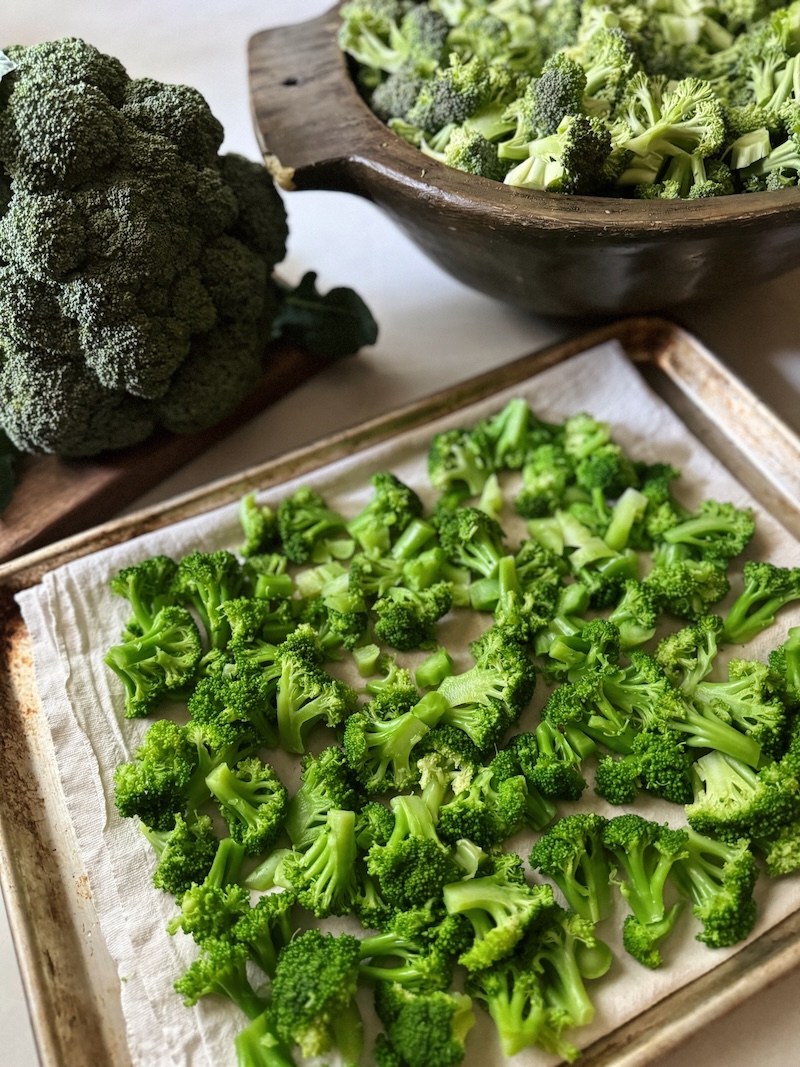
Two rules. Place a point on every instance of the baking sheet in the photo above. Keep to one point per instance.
(584, 382)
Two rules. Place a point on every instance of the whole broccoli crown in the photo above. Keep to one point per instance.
(157, 254)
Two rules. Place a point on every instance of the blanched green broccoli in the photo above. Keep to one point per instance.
(324, 875)
(258, 1044)
(767, 589)
(406, 618)
(184, 853)
(147, 587)
(259, 526)
(313, 995)
(390, 510)
(157, 662)
(253, 801)
(155, 784)
(221, 970)
(150, 302)
(425, 1029)
(573, 854)
(687, 655)
(204, 581)
(569, 160)
(326, 783)
(500, 907)
(310, 531)
(460, 458)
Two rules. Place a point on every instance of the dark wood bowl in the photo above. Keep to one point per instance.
(547, 252)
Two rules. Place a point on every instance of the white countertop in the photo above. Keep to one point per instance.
(434, 332)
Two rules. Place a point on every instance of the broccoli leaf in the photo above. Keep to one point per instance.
(335, 324)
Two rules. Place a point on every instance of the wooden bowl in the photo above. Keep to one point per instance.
(550, 253)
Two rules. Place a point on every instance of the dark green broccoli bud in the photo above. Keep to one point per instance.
(573, 855)
(221, 970)
(558, 91)
(487, 812)
(394, 97)
(326, 783)
(767, 589)
(406, 619)
(460, 458)
(253, 801)
(313, 995)
(425, 1029)
(414, 864)
(146, 586)
(310, 531)
(158, 662)
(500, 906)
(570, 160)
(659, 762)
(184, 853)
(155, 784)
(470, 151)
(451, 95)
(583, 707)
(718, 878)
(324, 876)
(124, 303)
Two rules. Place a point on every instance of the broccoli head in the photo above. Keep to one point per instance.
(136, 260)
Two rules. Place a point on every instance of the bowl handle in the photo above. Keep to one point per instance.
(309, 119)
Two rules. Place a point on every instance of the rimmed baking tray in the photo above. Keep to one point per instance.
(70, 981)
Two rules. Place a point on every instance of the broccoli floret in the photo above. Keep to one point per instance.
(147, 588)
(658, 762)
(407, 952)
(307, 694)
(569, 160)
(488, 811)
(209, 911)
(460, 458)
(425, 1029)
(470, 151)
(324, 876)
(157, 662)
(716, 532)
(259, 526)
(243, 701)
(390, 510)
(157, 259)
(503, 672)
(572, 853)
(447, 761)
(253, 801)
(546, 476)
(155, 784)
(204, 581)
(518, 757)
(687, 656)
(313, 995)
(406, 619)
(184, 853)
(394, 97)
(767, 589)
(733, 800)
(221, 970)
(266, 928)
(451, 94)
(556, 772)
(512, 992)
(636, 614)
(415, 863)
(472, 539)
(326, 783)
(748, 701)
(686, 115)
(310, 531)
(784, 664)
(381, 751)
(500, 907)
(718, 878)
(688, 588)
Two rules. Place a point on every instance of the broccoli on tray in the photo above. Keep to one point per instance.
(427, 775)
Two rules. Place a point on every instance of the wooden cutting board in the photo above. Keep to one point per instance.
(55, 497)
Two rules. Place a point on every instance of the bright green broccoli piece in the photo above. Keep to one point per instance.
(147, 588)
(310, 531)
(569, 160)
(425, 1029)
(204, 581)
(460, 458)
(157, 662)
(253, 801)
(487, 812)
(645, 853)
(747, 700)
(221, 971)
(687, 655)
(687, 588)
(414, 863)
(573, 855)
(324, 875)
(326, 783)
(767, 588)
(259, 526)
(380, 751)
(184, 853)
(258, 1045)
(155, 784)
(716, 531)
(406, 618)
(391, 509)
(784, 664)
(718, 879)
(313, 995)
(500, 907)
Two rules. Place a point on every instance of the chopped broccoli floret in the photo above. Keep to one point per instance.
(253, 801)
(573, 854)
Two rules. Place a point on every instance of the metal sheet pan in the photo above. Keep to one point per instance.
(70, 982)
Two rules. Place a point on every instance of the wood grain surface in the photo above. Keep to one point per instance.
(55, 498)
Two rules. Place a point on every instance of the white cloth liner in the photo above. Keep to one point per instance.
(73, 618)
